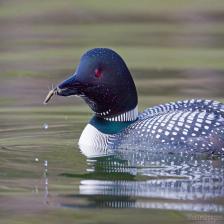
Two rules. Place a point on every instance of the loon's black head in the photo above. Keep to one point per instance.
(103, 80)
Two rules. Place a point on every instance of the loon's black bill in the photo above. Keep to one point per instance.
(68, 87)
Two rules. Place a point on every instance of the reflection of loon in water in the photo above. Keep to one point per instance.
(103, 80)
(149, 180)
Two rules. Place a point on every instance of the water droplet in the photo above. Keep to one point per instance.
(45, 167)
(45, 126)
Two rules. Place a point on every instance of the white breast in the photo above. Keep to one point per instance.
(93, 143)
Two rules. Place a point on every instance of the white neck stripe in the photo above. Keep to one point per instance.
(130, 115)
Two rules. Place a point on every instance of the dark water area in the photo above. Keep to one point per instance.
(174, 50)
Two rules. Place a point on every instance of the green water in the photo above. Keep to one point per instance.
(174, 49)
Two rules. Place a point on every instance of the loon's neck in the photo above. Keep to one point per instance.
(95, 137)
(114, 124)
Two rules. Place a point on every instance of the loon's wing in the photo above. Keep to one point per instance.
(209, 106)
(193, 125)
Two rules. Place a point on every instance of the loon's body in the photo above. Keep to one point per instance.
(194, 126)
(103, 80)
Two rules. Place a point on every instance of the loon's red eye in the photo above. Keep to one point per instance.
(98, 72)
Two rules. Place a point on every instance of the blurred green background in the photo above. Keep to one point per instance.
(174, 49)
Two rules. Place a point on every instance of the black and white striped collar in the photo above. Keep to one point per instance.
(130, 115)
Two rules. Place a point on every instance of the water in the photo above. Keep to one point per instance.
(174, 51)
(65, 184)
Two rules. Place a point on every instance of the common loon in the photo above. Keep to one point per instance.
(103, 80)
